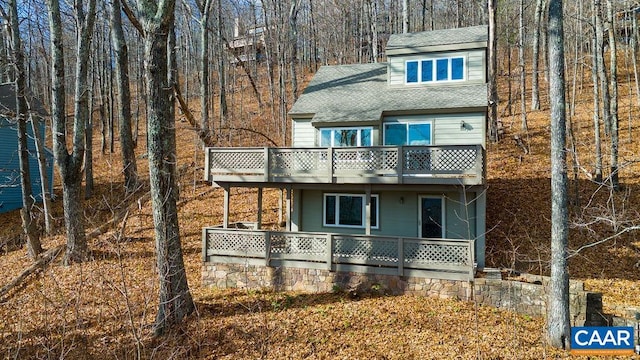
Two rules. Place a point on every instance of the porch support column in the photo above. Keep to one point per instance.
(367, 216)
(225, 216)
(280, 199)
(288, 205)
(295, 212)
(259, 217)
(481, 213)
(464, 212)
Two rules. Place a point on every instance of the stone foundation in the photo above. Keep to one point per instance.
(226, 276)
(526, 294)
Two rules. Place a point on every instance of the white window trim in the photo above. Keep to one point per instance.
(435, 70)
(407, 123)
(358, 128)
(337, 210)
(444, 213)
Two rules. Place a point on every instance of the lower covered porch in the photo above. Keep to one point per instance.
(451, 259)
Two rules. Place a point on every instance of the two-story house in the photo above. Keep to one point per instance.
(386, 173)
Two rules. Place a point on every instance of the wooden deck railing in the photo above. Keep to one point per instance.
(434, 258)
(455, 164)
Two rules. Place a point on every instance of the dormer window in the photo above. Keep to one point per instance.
(434, 70)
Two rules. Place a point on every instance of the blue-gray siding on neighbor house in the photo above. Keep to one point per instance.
(10, 189)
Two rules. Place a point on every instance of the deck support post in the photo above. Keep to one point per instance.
(267, 170)
(481, 209)
(400, 256)
(330, 165)
(259, 217)
(367, 217)
(400, 165)
(280, 209)
(267, 248)
(288, 207)
(225, 216)
(329, 252)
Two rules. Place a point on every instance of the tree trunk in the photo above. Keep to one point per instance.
(44, 175)
(535, 89)
(602, 71)
(175, 299)
(205, 11)
(373, 5)
(129, 167)
(293, 42)
(88, 140)
(523, 85)
(634, 56)
(493, 72)
(596, 114)
(222, 81)
(405, 16)
(558, 325)
(613, 123)
(70, 164)
(34, 248)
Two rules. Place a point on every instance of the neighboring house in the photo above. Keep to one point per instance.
(248, 45)
(10, 189)
(386, 174)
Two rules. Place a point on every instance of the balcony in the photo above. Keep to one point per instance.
(451, 259)
(454, 164)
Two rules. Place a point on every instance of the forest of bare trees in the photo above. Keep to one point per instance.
(232, 69)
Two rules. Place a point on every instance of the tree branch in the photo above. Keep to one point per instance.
(618, 234)
(132, 17)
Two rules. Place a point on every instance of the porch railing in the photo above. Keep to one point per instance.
(455, 164)
(434, 258)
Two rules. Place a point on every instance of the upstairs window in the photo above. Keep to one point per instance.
(345, 137)
(407, 133)
(430, 70)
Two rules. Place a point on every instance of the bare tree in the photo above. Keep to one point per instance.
(204, 8)
(34, 247)
(535, 61)
(523, 85)
(596, 104)
(405, 16)
(293, 42)
(558, 325)
(602, 71)
(157, 21)
(613, 104)
(70, 164)
(222, 77)
(129, 167)
(493, 72)
(634, 55)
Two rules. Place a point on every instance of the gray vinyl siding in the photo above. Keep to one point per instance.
(447, 129)
(398, 214)
(475, 66)
(303, 133)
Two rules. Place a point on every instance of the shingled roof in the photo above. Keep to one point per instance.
(473, 34)
(8, 101)
(360, 93)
